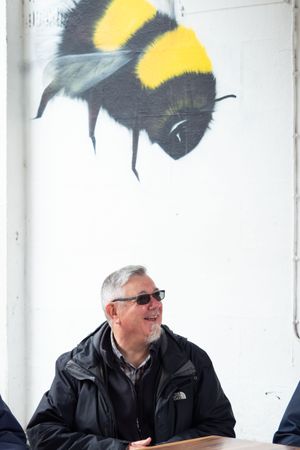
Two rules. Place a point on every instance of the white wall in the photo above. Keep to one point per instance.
(12, 208)
(3, 296)
(12, 314)
(215, 229)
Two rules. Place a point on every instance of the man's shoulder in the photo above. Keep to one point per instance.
(85, 352)
(193, 351)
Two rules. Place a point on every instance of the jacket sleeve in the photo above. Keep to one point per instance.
(11, 434)
(212, 413)
(288, 432)
(51, 425)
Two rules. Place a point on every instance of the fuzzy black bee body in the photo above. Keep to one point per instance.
(169, 93)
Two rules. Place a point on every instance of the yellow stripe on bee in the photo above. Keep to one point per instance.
(172, 54)
(120, 22)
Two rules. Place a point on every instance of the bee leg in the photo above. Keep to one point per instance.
(94, 109)
(135, 142)
(48, 94)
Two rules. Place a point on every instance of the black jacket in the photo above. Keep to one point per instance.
(11, 434)
(77, 412)
(288, 432)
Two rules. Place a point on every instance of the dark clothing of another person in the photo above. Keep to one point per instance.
(92, 404)
(12, 437)
(289, 428)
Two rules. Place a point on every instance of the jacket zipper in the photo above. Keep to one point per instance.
(136, 406)
(138, 427)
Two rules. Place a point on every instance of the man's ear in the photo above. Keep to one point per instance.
(112, 312)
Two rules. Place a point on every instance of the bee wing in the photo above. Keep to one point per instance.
(78, 73)
(166, 7)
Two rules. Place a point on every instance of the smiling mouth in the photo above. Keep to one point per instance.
(152, 319)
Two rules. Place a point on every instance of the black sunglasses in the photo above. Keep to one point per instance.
(143, 299)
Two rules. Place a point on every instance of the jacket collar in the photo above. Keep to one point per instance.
(89, 353)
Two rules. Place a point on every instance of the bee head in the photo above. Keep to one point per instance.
(181, 111)
(183, 132)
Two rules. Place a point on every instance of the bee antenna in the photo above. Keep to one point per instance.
(225, 96)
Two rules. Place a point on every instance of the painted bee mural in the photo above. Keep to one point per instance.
(136, 62)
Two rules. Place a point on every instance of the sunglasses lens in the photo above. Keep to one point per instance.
(156, 295)
(159, 295)
(143, 299)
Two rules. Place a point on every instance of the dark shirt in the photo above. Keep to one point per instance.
(133, 373)
(133, 399)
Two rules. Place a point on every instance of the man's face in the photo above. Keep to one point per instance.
(139, 323)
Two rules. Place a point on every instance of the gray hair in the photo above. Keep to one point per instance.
(112, 285)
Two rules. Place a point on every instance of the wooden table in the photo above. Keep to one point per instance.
(220, 443)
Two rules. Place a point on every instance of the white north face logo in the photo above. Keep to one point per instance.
(179, 396)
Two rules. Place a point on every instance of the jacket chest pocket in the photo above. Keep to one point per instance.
(182, 401)
(175, 412)
(91, 413)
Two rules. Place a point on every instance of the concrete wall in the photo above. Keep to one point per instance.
(215, 228)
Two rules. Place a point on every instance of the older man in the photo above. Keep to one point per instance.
(132, 382)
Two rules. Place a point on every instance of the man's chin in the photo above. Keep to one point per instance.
(154, 334)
